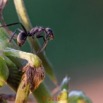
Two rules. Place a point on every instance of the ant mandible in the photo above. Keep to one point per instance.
(36, 31)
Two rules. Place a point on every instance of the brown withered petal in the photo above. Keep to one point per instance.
(2, 21)
(2, 4)
(33, 76)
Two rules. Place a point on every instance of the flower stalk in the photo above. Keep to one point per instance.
(24, 19)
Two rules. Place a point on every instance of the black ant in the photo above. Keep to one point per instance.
(36, 31)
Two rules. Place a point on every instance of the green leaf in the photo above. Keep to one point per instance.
(65, 83)
(30, 58)
(63, 96)
(4, 72)
(76, 96)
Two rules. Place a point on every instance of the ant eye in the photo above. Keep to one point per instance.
(49, 31)
(50, 35)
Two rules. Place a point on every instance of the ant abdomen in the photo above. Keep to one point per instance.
(21, 38)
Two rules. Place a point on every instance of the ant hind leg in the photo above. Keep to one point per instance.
(12, 35)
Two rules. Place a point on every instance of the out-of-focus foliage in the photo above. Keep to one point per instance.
(73, 96)
(76, 96)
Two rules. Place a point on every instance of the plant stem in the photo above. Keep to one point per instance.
(22, 93)
(24, 19)
(42, 94)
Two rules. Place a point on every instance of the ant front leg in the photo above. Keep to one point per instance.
(39, 36)
(44, 44)
(43, 47)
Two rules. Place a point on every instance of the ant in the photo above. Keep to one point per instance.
(36, 31)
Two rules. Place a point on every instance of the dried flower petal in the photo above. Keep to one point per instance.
(33, 76)
(2, 4)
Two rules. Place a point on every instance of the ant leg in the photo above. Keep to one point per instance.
(44, 44)
(13, 35)
(43, 47)
(39, 36)
(19, 30)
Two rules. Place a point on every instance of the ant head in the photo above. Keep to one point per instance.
(21, 38)
(49, 32)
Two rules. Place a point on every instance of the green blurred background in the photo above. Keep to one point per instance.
(77, 50)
